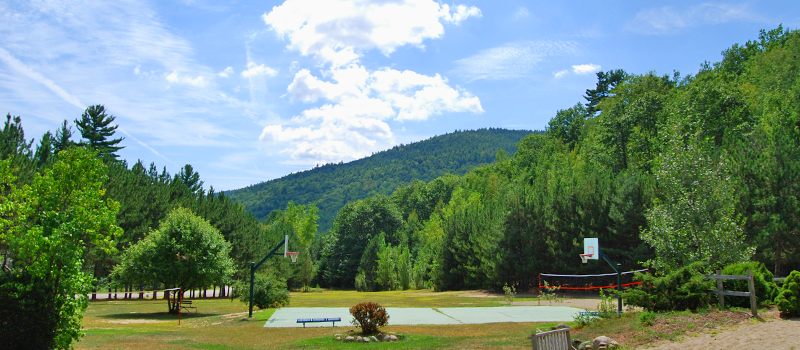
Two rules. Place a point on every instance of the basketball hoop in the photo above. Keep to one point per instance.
(293, 255)
(585, 257)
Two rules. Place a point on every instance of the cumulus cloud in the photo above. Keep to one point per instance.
(511, 60)
(561, 73)
(668, 20)
(176, 78)
(353, 104)
(336, 31)
(352, 122)
(226, 72)
(585, 68)
(254, 70)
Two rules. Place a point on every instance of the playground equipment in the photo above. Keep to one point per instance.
(591, 251)
(274, 251)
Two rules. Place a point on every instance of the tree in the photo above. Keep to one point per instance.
(95, 128)
(694, 217)
(185, 252)
(606, 81)
(46, 228)
(62, 139)
(190, 178)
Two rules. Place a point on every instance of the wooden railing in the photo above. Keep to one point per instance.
(558, 339)
(721, 293)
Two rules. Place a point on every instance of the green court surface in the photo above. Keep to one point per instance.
(287, 317)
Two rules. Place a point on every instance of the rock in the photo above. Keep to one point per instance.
(601, 342)
(393, 338)
(358, 338)
(349, 338)
(562, 326)
(576, 343)
(337, 337)
(587, 345)
(365, 339)
(373, 338)
(613, 345)
(383, 337)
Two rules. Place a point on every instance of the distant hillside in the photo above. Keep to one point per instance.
(331, 186)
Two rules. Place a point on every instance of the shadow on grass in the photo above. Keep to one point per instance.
(156, 316)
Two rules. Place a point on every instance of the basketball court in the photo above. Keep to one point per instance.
(287, 317)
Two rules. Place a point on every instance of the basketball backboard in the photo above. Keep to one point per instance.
(591, 248)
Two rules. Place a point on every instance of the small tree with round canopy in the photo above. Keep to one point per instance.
(185, 252)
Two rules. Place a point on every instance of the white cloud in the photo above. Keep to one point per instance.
(17, 65)
(585, 68)
(668, 20)
(561, 73)
(175, 78)
(226, 72)
(521, 13)
(352, 122)
(254, 70)
(512, 60)
(336, 31)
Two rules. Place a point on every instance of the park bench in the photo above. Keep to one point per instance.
(558, 339)
(187, 304)
(333, 320)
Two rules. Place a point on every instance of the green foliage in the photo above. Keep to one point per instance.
(186, 252)
(510, 292)
(694, 219)
(766, 289)
(268, 291)
(683, 289)
(49, 225)
(548, 293)
(647, 318)
(29, 315)
(96, 128)
(331, 186)
(369, 316)
(354, 227)
(788, 299)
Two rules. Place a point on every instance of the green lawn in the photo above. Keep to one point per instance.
(222, 324)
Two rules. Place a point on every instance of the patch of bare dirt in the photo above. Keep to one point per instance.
(742, 332)
(590, 304)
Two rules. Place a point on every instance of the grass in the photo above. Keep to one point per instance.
(223, 324)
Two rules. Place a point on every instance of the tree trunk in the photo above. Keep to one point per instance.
(778, 256)
(94, 290)
(141, 291)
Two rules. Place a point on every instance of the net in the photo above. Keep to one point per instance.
(587, 282)
(293, 255)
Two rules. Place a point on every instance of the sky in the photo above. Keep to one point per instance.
(248, 91)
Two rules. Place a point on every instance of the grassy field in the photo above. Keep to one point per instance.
(222, 324)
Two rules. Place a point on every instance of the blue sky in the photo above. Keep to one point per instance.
(248, 91)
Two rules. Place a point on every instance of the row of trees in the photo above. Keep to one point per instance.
(665, 170)
(75, 218)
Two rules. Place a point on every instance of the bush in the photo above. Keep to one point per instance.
(788, 299)
(369, 316)
(766, 289)
(268, 292)
(29, 315)
(683, 289)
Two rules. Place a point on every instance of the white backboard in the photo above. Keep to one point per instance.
(591, 246)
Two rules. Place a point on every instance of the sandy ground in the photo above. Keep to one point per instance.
(774, 333)
(582, 304)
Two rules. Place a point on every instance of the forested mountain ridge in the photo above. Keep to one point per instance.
(331, 186)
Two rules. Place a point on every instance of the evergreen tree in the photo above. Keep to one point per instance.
(96, 129)
(62, 139)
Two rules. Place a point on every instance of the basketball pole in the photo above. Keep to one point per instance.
(254, 266)
(618, 269)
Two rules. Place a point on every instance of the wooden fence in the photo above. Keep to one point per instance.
(721, 293)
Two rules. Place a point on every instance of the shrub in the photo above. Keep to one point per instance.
(788, 299)
(29, 315)
(369, 316)
(766, 289)
(268, 292)
(683, 289)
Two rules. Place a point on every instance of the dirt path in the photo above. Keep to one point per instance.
(774, 333)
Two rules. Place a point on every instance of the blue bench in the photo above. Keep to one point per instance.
(333, 320)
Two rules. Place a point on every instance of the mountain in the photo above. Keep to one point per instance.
(331, 186)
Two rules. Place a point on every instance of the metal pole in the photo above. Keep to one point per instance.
(252, 280)
(619, 288)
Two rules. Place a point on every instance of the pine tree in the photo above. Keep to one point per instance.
(95, 128)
